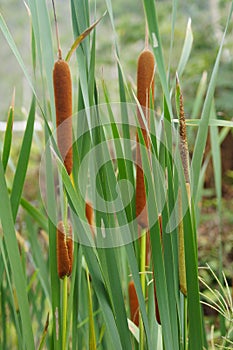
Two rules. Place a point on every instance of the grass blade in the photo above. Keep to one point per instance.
(8, 135)
(81, 37)
(7, 221)
(186, 49)
(22, 165)
(35, 214)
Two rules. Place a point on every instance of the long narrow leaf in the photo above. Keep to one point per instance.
(8, 135)
(22, 165)
(7, 221)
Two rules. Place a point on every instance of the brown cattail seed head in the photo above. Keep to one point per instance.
(145, 77)
(89, 213)
(64, 250)
(145, 89)
(63, 103)
(133, 303)
(69, 244)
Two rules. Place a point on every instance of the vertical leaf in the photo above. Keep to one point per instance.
(7, 221)
(22, 165)
(8, 135)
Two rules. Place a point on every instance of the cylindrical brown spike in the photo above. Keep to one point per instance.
(145, 89)
(89, 213)
(145, 77)
(64, 250)
(90, 217)
(69, 244)
(133, 303)
(63, 103)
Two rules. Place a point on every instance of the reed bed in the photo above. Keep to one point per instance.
(108, 259)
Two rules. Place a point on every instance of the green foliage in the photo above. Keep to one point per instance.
(91, 308)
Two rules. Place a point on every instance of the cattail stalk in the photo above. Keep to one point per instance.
(157, 314)
(64, 311)
(143, 284)
(62, 84)
(185, 163)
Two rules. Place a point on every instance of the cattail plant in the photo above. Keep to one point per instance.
(62, 84)
(145, 90)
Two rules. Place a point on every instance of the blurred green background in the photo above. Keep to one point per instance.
(208, 18)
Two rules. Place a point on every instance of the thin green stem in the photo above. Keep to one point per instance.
(64, 312)
(185, 322)
(65, 280)
(143, 284)
(92, 338)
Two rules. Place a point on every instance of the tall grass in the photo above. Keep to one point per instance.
(111, 253)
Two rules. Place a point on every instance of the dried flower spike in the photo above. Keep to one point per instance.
(63, 102)
(64, 250)
(145, 88)
(133, 303)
